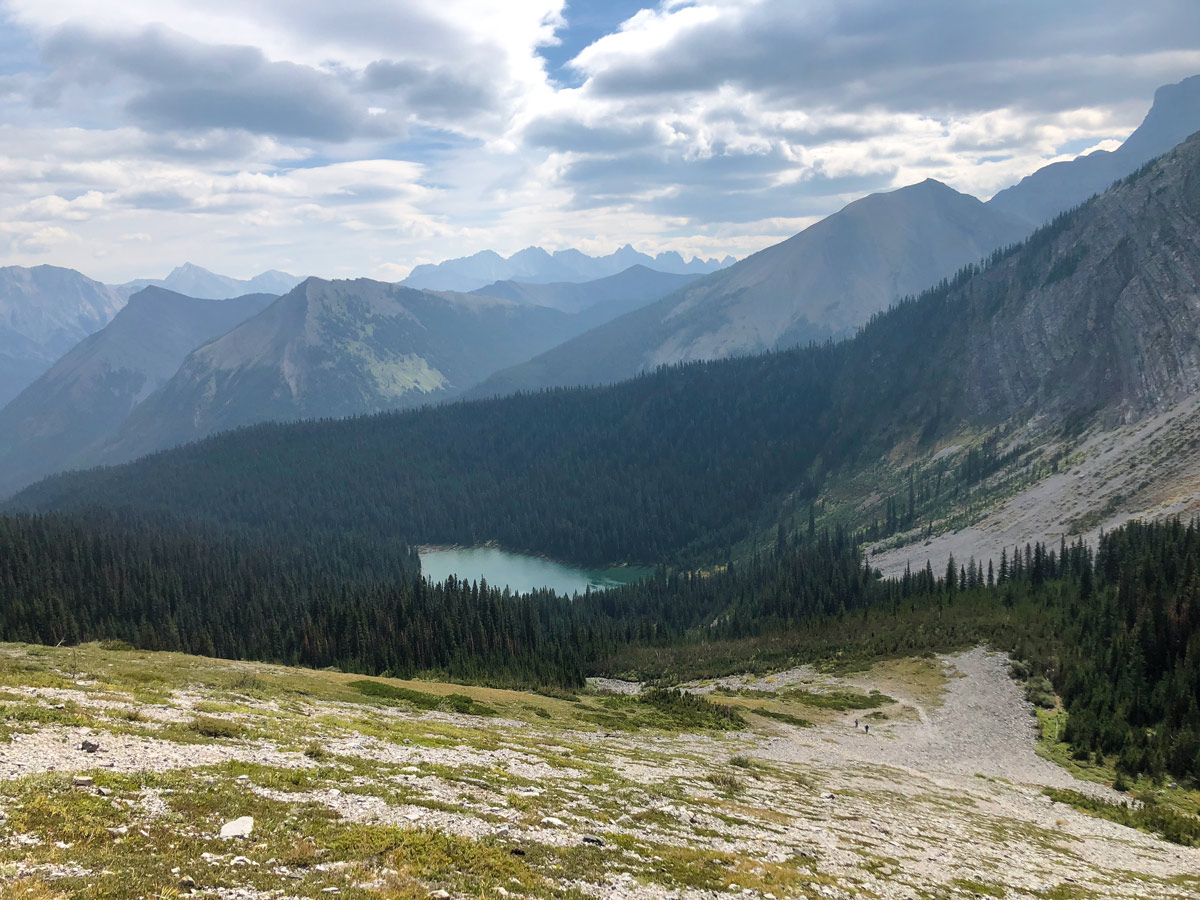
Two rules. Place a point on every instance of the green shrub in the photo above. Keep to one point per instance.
(784, 717)
(691, 711)
(842, 700)
(725, 782)
(1040, 692)
(461, 703)
(385, 691)
(315, 751)
(457, 703)
(209, 727)
(1151, 815)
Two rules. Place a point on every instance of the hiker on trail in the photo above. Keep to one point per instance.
(866, 729)
(856, 723)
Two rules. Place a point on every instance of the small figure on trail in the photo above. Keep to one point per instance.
(866, 729)
(856, 723)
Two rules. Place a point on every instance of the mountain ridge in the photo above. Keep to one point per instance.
(823, 282)
(537, 266)
(333, 349)
(1091, 322)
(56, 422)
(1174, 115)
(44, 311)
(607, 297)
(195, 281)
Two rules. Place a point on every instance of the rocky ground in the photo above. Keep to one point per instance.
(429, 790)
(1148, 470)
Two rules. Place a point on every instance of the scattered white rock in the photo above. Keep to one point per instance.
(238, 828)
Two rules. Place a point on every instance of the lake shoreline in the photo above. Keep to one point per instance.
(522, 573)
(496, 545)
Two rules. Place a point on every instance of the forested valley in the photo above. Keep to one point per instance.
(1115, 630)
(674, 466)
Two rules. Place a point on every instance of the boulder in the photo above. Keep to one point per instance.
(238, 828)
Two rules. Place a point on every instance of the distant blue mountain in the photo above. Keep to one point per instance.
(533, 265)
(195, 281)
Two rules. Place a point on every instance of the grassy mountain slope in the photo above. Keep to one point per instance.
(338, 348)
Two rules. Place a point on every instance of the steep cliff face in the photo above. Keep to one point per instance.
(1096, 317)
(1039, 197)
(1102, 312)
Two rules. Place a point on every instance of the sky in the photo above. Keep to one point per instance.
(362, 137)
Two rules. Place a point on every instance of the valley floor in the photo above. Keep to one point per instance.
(357, 794)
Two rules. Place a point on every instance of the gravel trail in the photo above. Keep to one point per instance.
(983, 727)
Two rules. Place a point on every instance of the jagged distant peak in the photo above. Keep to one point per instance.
(536, 265)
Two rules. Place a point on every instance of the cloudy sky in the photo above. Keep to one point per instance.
(361, 137)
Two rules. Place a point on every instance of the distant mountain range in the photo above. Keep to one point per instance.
(194, 281)
(1094, 320)
(534, 265)
(44, 312)
(822, 283)
(343, 348)
(602, 299)
(531, 321)
(324, 349)
(59, 421)
(833, 276)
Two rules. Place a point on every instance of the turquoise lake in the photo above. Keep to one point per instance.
(522, 573)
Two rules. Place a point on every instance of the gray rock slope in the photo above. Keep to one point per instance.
(824, 282)
(537, 266)
(1041, 196)
(1108, 324)
(339, 348)
(44, 312)
(57, 422)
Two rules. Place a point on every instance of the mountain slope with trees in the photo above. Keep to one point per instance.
(1093, 319)
(334, 349)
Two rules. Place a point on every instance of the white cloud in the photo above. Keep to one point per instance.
(366, 136)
